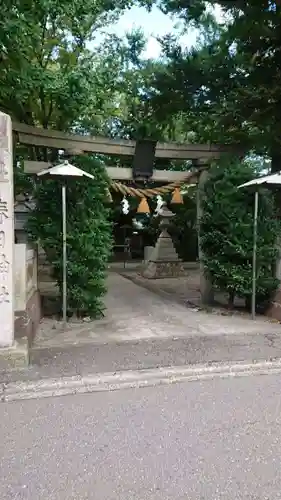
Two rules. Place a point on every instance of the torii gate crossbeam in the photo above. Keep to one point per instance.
(59, 140)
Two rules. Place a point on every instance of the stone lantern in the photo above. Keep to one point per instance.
(164, 261)
(166, 216)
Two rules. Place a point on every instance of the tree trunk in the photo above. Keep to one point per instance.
(248, 303)
(276, 167)
(274, 310)
(231, 297)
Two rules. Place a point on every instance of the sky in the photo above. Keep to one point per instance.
(153, 24)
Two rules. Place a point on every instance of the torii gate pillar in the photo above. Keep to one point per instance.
(206, 289)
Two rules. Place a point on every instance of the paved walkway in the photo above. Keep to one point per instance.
(142, 330)
(134, 313)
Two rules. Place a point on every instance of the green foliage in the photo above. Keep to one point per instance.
(88, 234)
(118, 107)
(184, 229)
(228, 87)
(227, 232)
(23, 184)
(48, 73)
(51, 78)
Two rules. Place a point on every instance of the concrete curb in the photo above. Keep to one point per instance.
(15, 391)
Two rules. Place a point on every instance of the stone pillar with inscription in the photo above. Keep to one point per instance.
(6, 233)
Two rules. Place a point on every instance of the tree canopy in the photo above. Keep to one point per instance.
(57, 72)
(50, 75)
(228, 87)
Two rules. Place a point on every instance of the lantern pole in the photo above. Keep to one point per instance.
(64, 255)
(254, 261)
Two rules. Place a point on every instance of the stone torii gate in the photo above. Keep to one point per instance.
(76, 145)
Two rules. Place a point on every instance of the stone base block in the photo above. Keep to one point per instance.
(16, 356)
(274, 311)
(156, 270)
(27, 322)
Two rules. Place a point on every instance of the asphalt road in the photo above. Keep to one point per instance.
(210, 440)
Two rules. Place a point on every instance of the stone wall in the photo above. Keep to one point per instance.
(27, 321)
(20, 276)
(27, 296)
